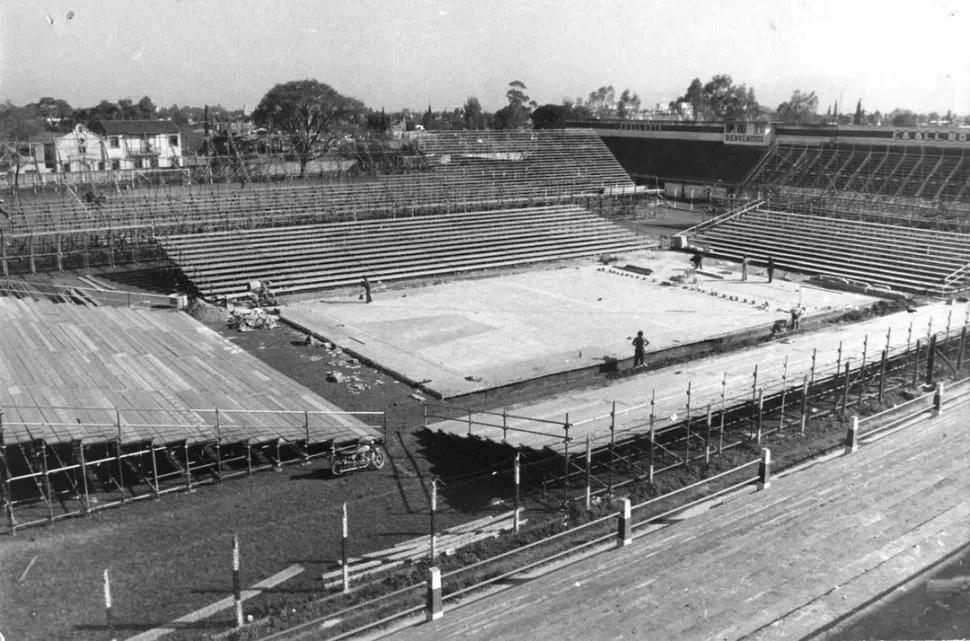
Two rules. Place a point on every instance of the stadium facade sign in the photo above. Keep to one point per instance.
(915, 135)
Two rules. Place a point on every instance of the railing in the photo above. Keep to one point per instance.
(615, 530)
(98, 295)
(723, 218)
(958, 275)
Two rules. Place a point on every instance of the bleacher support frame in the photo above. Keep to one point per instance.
(94, 474)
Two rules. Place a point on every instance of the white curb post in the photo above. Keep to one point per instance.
(434, 607)
(107, 606)
(236, 583)
(764, 470)
(517, 474)
(852, 436)
(433, 552)
(938, 399)
(624, 532)
(344, 562)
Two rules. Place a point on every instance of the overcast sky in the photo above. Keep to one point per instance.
(409, 53)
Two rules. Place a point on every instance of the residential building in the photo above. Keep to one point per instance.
(140, 144)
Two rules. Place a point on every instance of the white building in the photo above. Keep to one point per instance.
(140, 144)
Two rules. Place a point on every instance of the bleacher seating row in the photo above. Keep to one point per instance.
(314, 257)
(929, 173)
(466, 167)
(901, 258)
(65, 369)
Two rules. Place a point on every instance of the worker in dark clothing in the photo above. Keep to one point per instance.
(771, 269)
(365, 283)
(697, 259)
(639, 349)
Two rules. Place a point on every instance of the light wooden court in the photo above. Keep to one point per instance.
(778, 564)
(66, 369)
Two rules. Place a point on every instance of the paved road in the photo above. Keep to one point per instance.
(777, 564)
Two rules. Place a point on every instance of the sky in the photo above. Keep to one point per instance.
(415, 53)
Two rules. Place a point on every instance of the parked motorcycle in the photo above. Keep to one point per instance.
(363, 455)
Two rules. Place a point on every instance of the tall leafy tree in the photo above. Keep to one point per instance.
(473, 114)
(801, 108)
(720, 99)
(314, 115)
(516, 113)
(628, 105)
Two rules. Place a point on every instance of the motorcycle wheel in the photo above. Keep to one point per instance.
(377, 459)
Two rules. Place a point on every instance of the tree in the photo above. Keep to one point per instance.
(602, 102)
(860, 116)
(549, 117)
(427, 120)
(628, 105)
(902, 118)
(800, 108)
(472, 114)
(314, 115)
(145, 109)
(516, 113)
(720, 99)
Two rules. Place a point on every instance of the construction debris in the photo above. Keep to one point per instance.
(244, 319)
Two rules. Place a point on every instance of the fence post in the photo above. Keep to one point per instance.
(784, 393)
(589, 471)
(852, 436)
(916, 364)
(121, 471)
(505, 424)
(764, 470)
(720, 438)
(938, 399)
(882, 375)
(236, 582)
(612, 450)
(86, 505)
(845, 385)
(804, 421)
(811, 374)
(930, 360)
(838, 364)
(754, 383)
(109, 617)
(760, 413)
(434, 608)
(433, 540)
(516, 475)
(306, 435)
(624, 533)
(963, 342)
(707, 436)
(651, 446)
(565, 461)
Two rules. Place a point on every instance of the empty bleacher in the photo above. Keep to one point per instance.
(918, 172)
(466, 169)
(315, 257)
(71, 372)
(906, 259)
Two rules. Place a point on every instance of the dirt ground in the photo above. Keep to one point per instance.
(170, 557)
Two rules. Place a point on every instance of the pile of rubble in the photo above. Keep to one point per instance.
(246, 319)
(339, 362)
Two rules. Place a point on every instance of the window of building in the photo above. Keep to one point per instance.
(100, 165)
(138, 163)
(66, 167)
(115, 164)
(154, 163)
(23, 150)
(173, 141)
(82, 147)
(114, 142)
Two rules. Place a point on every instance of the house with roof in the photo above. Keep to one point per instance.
(140, 144)
(79, 150)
